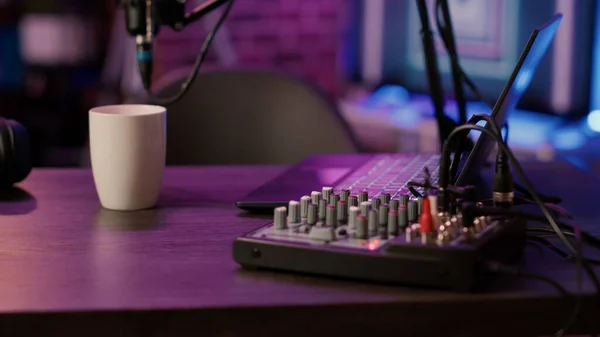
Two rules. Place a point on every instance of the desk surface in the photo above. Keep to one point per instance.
(170, 272)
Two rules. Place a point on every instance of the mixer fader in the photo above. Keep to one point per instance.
(389, 238)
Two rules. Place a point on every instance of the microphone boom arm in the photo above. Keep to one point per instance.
(445, 124)
(172, 13)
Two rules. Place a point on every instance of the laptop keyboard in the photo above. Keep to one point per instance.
(389, 173)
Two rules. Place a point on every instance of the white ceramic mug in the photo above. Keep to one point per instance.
(127, 150)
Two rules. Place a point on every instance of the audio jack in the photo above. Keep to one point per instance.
(503, 186)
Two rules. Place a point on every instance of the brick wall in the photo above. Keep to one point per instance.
(302, 37)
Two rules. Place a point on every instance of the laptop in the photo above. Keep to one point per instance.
(379, 173)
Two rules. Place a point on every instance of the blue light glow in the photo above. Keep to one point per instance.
(568, 139)
(529, 130)
(593, 120)
(388, 96)
(406, 118)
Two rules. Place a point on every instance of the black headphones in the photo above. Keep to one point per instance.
(15, 153)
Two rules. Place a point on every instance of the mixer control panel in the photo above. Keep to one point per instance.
(389, 239)
(344, 220)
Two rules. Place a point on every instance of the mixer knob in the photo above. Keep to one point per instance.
(326, 192)
(304, 201)
(373, 221)
(413, 209)
(294, 212)
(365, 206)
(331, 217)
(403, 199)
(342, 211)
(385, 198)
(383, 211)
(363, 196)
(392, 223)
(394, 205)
(352, 201)
(311, 217)
(361, 227)
(279, 218)
(353, 213)
(344, 194)
(315, 196)
(375, 203)
(402, 217)
(322, 209)
(333, 199)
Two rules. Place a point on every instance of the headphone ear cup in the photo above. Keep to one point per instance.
(19, 166)
(5, 150)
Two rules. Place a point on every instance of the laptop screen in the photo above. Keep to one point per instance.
(539, 41)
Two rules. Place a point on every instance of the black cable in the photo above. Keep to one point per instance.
(446, 34)
(586, 237)
(473, 120)
(201, 10)
(546, 198)
(547, 217)
(185, 86)
(565, 228)
(558, 251)
(444, 175)
(444, 171)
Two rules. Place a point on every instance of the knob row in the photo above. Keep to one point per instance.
(382, 215)
(327, 193)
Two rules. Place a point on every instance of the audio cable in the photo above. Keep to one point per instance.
(185, 86)
(543, 240)
(566, 229)
(573, 249)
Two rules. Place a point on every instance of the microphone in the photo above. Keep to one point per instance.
(141, 22)
(144, 18)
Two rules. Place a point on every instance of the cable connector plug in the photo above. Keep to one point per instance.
(503, 185)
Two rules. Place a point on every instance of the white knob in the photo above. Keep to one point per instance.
(315, 196)
(304, 201)
(353, 212)
(326, 192)
(279, 218)
(293, 211)
(365, 206)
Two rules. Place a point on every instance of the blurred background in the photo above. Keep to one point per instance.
(59, 58)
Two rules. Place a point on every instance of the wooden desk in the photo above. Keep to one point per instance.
(69, 268)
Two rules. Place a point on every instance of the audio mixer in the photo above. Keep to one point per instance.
(400, 239)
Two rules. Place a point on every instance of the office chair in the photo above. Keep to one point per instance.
(250, 117)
